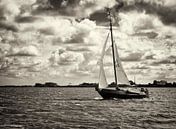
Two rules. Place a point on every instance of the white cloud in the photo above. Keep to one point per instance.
(169, 3)
(23, 51)
(133, 22)
(63, 30)
(9, 9)
(63, 57)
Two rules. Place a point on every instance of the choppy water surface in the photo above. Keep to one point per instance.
(70, 108)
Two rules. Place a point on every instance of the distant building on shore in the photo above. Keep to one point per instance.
(162, 82)
(47, 84)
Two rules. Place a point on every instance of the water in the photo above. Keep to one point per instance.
(82, 108)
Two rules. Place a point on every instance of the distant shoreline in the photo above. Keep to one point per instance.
(155, 84)
(78, 86)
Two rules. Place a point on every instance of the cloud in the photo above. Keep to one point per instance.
(77, 48)
(91, 6)
(8, 9)
(66, 31)
(165, 60)
(6, 68)
(63, 57)
(78, 8)
(8, 26)
(26, 19)
(62, 30)
(82, 30)
(28, 49)
(139, 66)
(71, 64)
(163, 9)
(12, 12)
(100, 17)
(21, 67)
(87, 66)
(47, 31)
(150, 35)
(132, 56)
(141, 22)
(23, 51)
(4, 64)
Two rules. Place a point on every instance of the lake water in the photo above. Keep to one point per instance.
(82, 108)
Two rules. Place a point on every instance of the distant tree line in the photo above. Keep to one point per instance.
(155, 83)
(159, 83)
(51, 84)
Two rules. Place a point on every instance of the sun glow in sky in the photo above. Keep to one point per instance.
(61, 40)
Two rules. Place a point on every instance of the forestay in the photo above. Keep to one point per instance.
(102, 77)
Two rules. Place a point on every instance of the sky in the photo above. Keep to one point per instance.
(61, 40)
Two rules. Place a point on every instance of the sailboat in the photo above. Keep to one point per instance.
(121, 79)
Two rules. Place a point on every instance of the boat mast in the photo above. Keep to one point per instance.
(112, 40)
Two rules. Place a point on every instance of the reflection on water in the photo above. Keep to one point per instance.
(71, 108)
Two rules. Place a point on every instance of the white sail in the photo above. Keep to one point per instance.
(121, 75)
(102, 77)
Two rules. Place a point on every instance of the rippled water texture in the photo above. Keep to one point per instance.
(70, 108)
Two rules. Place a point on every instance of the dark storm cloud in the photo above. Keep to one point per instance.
(26, 19)
(134, 56)
(47, 31)
(150, 35)
(8, 26)
(78, 8)
(149, 57)
(167, 14)
(20, 54)
(100, 17)
(56, 6)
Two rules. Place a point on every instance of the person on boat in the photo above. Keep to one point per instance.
(145, 91)
(96, 88)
